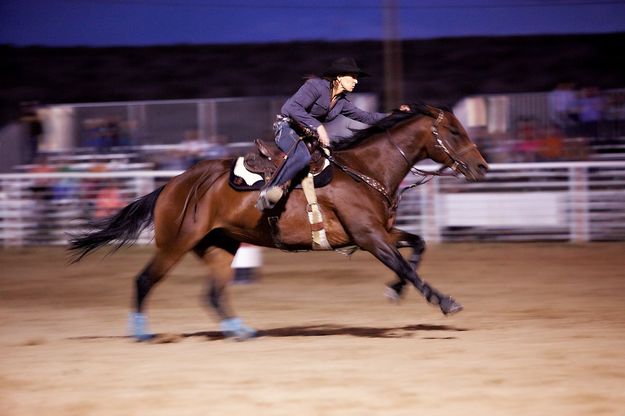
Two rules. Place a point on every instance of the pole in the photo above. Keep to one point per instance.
(393, 66)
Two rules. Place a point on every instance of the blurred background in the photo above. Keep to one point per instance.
(103, 100)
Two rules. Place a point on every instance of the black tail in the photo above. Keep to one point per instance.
(123, 227)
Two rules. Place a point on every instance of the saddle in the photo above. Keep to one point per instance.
(268, 158)
(251, 171)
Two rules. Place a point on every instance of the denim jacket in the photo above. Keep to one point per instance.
(310, 106)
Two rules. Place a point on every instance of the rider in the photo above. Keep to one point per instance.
(319, 100)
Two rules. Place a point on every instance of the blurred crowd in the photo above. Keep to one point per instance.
(578, 124)
(566, 124)
(101, 197)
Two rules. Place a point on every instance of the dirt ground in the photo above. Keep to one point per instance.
(542, 333)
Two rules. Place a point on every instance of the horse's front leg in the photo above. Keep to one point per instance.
(404, 239)
(383, 246)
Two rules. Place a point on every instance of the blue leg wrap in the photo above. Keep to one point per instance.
(138, 323)
(235, 328)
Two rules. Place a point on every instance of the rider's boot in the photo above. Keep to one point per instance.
(270, 196)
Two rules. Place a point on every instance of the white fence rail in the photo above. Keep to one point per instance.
(45, 208)
(578, 201)
(573, 201)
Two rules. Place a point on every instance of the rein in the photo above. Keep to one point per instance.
(425, 175)
(361, 177)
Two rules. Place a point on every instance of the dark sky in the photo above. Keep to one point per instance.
(153, 22)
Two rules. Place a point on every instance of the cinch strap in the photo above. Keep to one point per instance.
(319, 239)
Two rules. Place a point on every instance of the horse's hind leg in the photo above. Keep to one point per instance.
(153, 273)
(219, 261)
(404, 239)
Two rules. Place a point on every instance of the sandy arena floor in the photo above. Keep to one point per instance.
(542, 333)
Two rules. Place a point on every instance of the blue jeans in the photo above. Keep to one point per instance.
(298, 155)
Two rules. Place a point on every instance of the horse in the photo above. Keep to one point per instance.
(200, 212)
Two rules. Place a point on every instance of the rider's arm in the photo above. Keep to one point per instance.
(351, 111)
(299, 106)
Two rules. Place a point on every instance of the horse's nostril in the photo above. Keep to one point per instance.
(483, 169)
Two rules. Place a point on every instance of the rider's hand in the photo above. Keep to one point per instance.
(324, 139)
(404, 107)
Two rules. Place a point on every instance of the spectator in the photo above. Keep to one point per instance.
(590, 104)
(42, 187)
(108, 200)
(112, 134)
(563, 108)
(193, 148)
(615, 116)
(551, 144)
(103, 134)
(42, 195)
(171, 159)
(527, 140)
(93, 132)
(64, 188)
(34, 128)
(218, 148)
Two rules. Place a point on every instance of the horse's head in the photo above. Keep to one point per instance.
(452, 147)
(420, 132)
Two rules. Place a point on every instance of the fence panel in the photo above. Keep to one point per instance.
(560, 201)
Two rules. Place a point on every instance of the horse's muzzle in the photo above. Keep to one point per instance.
(476, 173)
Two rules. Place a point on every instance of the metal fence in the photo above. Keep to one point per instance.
(45, 208)
(507, 127)
(577, 201)
(120, 124)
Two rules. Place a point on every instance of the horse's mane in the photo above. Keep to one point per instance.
(397, 116)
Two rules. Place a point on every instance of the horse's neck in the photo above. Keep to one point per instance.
(381, 156)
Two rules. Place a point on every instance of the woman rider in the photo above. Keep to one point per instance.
(318, 101)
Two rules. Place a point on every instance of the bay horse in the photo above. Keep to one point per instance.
(199, 211)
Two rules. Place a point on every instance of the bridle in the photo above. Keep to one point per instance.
(441, 144)
(457, 166)
(426, 176)
(453, 155)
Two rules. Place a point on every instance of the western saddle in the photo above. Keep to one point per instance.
(268, 158)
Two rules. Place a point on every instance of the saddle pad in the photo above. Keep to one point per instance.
(242, 179)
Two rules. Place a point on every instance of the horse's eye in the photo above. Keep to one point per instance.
(454, 131)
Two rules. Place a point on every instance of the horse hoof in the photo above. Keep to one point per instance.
(392, 295)
(449, 306)
(245, 334)
(144, 337)
(236, 329)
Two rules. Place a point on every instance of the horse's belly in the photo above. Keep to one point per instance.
(296, 229)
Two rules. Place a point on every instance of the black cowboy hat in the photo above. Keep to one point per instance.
(342, 66)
